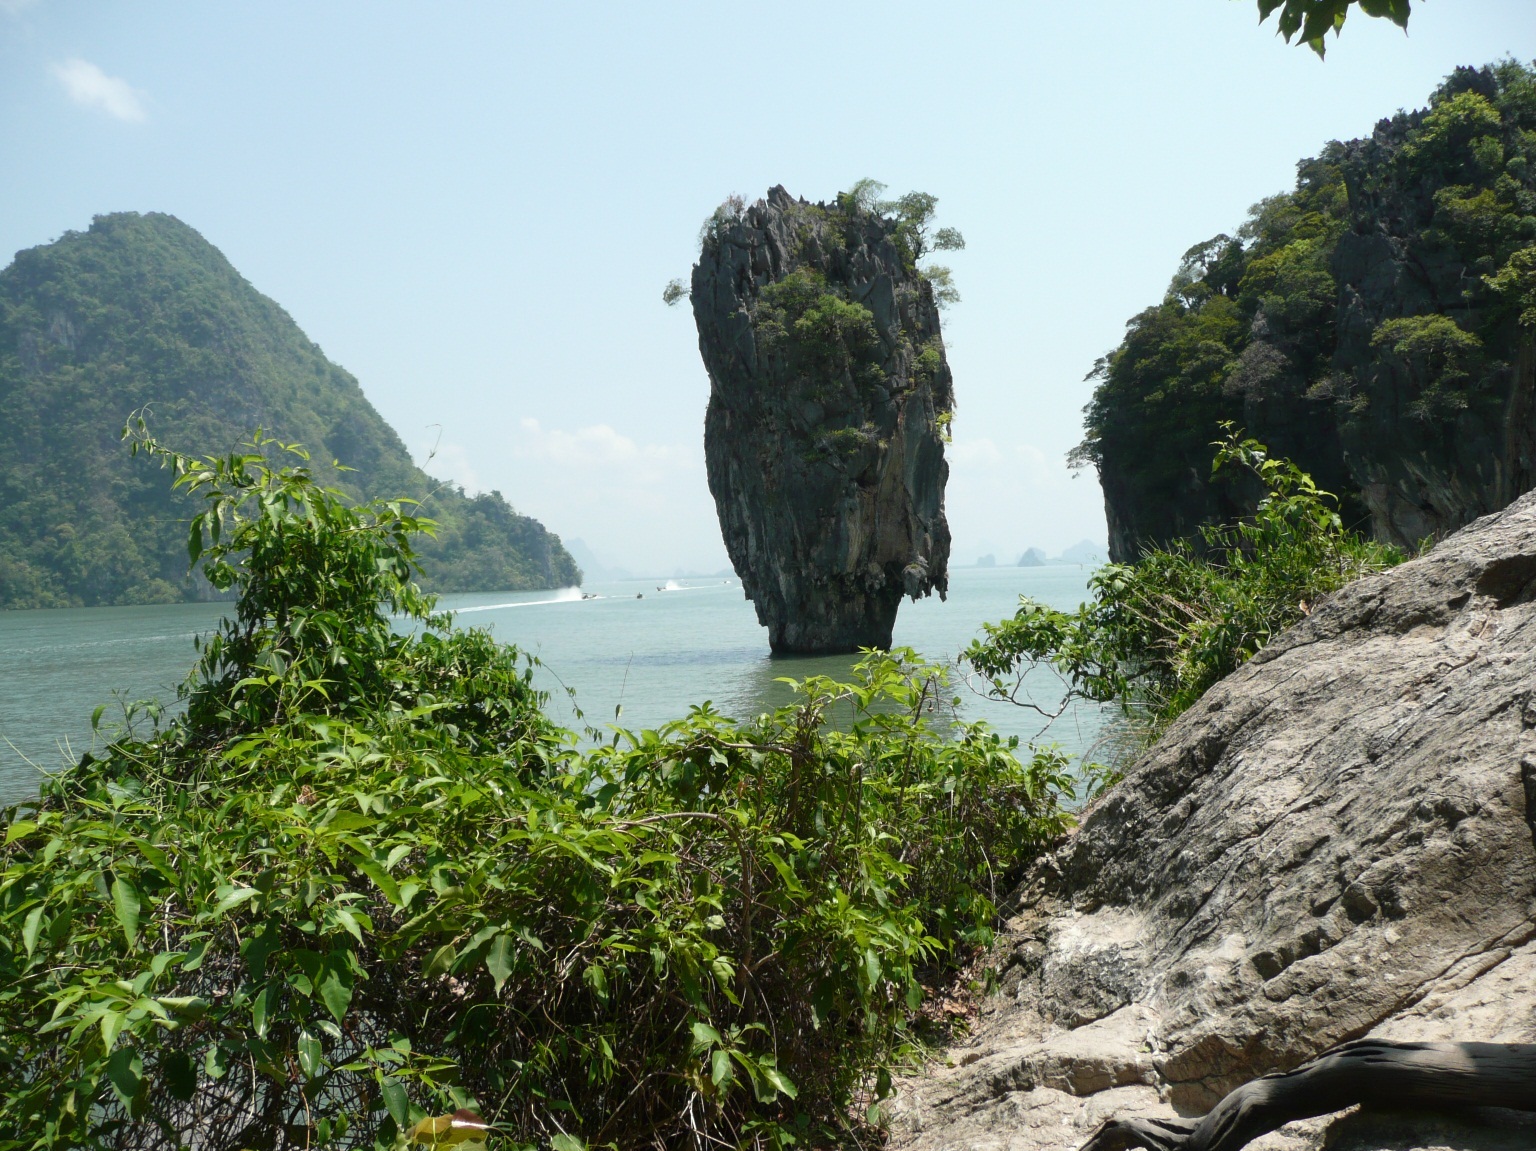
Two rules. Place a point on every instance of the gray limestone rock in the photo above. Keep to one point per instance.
(829, 392)
(1335, 842)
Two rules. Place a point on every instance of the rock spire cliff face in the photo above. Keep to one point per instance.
(829, 400)
(1376, 324)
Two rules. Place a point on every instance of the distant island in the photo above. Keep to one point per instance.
(1082, 552)
(141, 311)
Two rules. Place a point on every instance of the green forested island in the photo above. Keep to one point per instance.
(141, 311)
(1377, 325)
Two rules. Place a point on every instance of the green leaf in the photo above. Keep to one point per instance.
(381, 878)
(440, 962)
(720, 1068)
(311, 1055)
(336, 991)
(112, 1023)
(125, 902)
(30, 927)
(234, 898)
(498, 960)
(565, 1142)
(261, 1010)
(597, 979)
(350, 921)
(704, 1037)
(157, 859)
(883, 1083)
(397, 1102)
(725, 976)
(786, 873)
(190, 1007)
(780, 1081)
(125, 1071)
(179, 1074)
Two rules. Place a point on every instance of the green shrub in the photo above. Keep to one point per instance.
(1159, 632)
(362, 880)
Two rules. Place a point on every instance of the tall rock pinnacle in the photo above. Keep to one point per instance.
(829, 402)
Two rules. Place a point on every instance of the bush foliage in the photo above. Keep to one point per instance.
(1159, 632)
(362, 880)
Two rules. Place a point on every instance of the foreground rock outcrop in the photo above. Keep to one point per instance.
(829, 393)
(1335, 842)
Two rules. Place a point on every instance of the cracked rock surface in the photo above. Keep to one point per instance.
(1334, 842)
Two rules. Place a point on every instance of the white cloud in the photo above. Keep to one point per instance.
(90, 87)
(598, 448)
(645, 506)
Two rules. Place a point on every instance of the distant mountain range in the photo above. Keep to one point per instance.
(1082, 552)
(140, 311)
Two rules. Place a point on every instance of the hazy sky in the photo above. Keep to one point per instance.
(474, 206)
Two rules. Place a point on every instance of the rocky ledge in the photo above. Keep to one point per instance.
(1336, 842)
(824, 438)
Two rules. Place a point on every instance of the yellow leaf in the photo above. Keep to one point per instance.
(463, 1129)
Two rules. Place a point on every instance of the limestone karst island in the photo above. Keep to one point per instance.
(543, 734)
(829, 396)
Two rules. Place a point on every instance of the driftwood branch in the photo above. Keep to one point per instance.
(1369, 1072)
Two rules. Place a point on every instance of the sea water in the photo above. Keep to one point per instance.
(636, 653)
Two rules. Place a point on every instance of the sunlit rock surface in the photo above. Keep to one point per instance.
(1335, 842)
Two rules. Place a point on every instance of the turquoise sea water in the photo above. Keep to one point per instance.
(652, 647)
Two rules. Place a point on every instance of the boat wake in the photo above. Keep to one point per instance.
(564, 595)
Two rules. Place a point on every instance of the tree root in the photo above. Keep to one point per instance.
(1370, 1072)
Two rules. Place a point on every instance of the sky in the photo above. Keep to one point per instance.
(474, 207)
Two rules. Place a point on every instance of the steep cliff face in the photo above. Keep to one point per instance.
(1375, 325)
(1435, 422)
(829, 393)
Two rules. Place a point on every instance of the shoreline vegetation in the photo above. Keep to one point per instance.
(363, 882)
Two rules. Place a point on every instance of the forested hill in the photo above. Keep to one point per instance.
(141, 310)
(1375, 324)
